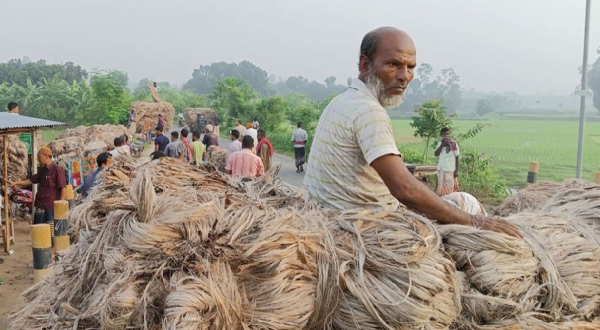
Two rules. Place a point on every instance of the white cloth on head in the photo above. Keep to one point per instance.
(353, 131)
(465, 202)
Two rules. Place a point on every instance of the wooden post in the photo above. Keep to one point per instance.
(61, 226)
(534, 167)
(597, 177)
(41, 246)
(33, 171)
(6, 232)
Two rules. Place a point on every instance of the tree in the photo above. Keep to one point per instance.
(205, 78)
(483, 107)
(272, 112)
(18, 72)
(233, 98)
(431, 119)
(330, 82)
(594, 81)
(111, 100)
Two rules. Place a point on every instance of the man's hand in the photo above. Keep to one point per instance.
(496, 224)
(456, 174)
(445, 142)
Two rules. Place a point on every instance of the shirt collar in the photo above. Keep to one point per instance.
(362, 88)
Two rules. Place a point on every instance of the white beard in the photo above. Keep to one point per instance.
(377, 87)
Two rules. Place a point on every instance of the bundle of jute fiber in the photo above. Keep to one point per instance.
(217, 156)
(191, 116)
(392, 273)
(530, 198)
(553, 274)
(143, 110)
(18, 162)
(74, 140)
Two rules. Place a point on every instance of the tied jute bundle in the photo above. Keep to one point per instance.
(143, 110)
(217, 156)
(170, 246)
(18, 164)
(548, 280)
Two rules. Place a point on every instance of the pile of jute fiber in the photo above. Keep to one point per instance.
(166, 245)
(170, 246)
(143, 110)
(17, 159)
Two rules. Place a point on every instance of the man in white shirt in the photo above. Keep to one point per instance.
(235, 144)
(354, 159)
(449, 160)
(299, 139)
(254, 134)
(120, 148)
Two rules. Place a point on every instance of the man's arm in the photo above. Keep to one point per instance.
(416, 196)
(457, 166)
(63, 194)
(155, 146)
(22, 183)
(438, 151)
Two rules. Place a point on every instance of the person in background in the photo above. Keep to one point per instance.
(188, 149)
(13, 108)
(210, 138)
(126, 142)
(161, 141)
(161, 121)
(449, 160)
(299, 139)
(235, 144)
(216, 124)
(264, 149)
(120, 147)
(148, 129)
(131, 118)
(245, 163)
(198, 149)
(255, 124)
(102, 161)
(175, 149)
(240, 128)
(156, 88)
(254, 134)
(51, 182)
(157, 155)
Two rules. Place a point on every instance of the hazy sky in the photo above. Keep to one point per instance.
(494, 45)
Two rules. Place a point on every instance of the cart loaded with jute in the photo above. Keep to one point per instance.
(165, 245)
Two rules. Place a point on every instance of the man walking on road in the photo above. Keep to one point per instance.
(255, 124)
(449, 160)
(161, 141)
(198, 148)
(264, 150)
(188, 149)
(51, 182)
(355, 162)
(216, 124)
(240, 128)
(148, 129)
(299, 139)
(245, 163)
(175, 149)
(235, 144)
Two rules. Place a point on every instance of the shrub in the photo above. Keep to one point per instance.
(478, 177)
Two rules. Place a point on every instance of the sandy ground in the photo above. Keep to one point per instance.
(16, 272)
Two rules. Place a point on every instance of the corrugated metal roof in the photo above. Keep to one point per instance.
(9, 121)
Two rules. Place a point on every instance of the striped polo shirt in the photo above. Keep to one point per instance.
(353, 131)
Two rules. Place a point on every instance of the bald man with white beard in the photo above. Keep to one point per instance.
(354, 160)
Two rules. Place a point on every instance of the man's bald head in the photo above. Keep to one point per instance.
(387, 34)
(387, 61)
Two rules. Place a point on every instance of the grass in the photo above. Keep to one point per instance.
(50, 134)
(512, 144)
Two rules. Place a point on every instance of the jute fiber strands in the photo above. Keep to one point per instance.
(17, 159)
(528, 199)
(191, 116)
(143, 110)
(392, 274)
(217, 156)
(552, 275)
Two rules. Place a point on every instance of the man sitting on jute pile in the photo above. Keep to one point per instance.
(354, 160)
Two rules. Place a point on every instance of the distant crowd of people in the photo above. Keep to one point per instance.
(249, 154)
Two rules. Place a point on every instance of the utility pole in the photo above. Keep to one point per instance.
(584, 91)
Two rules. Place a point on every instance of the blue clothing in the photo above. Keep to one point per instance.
(44, 217)
(161, 141)
(89, 183)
